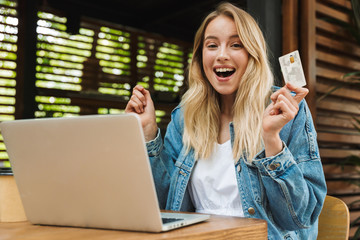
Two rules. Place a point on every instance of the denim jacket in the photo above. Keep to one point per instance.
(286, 190)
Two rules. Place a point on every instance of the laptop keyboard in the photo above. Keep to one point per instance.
(169, 220)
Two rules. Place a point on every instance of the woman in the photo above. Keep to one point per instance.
(230, 150)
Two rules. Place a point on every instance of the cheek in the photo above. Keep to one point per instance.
(207, 61)
(243, 59)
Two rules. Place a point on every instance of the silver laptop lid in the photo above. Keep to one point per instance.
(90, 171)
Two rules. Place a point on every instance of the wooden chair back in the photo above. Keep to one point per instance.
(334, 220)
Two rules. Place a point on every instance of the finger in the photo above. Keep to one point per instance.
(131, 107)
(135, 105)
(139, 88)
(271, 110)
(137, 102)
(275, 95)
(300, 92)
(285, 110)
(289, 100)
(139, 96)
(149, 101)
(147, 95)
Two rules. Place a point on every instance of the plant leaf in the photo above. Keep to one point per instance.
(356, 11)
(357, 73)
(353, 203)
(357, 220)
(356, 126)
(352, 160)
(357, 234)
(333, 89)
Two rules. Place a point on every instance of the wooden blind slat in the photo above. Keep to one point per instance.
(336, 122)
(340, 3)
(338, 138)
(341, 61)
(338, 153)
(341, 92)
(341, 46)
(337, 31)
(329, 73)
(345, 107)
(336, 53)
(331, 12)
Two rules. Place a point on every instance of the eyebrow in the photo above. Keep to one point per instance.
(214, 37)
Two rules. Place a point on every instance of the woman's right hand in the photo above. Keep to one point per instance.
(141, 104)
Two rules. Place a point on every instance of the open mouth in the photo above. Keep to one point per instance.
(224, 72)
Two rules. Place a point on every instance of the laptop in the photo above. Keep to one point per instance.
(88, 171)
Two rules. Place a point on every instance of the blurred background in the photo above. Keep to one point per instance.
(78, 57)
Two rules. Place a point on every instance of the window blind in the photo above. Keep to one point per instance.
(8, 48)
(93, 71)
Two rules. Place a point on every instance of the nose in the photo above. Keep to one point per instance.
(223, 54)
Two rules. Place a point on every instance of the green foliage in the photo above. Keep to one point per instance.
(63, 49)
(115, 32)
(354, 223)
(351, 79)
(8, 3)
(110, 111)
(356, 11)
(8, 38)
(52, 17)
(61, 61)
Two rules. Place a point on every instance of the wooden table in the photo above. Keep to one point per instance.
(217, 227)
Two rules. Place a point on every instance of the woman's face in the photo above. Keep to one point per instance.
(224, 57)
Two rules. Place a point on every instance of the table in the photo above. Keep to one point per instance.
(217, 227)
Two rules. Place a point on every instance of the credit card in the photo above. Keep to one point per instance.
(292, 70)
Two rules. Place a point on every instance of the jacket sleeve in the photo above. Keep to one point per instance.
(163, 154)
(294, 179)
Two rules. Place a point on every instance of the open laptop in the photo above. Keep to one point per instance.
(89, 171)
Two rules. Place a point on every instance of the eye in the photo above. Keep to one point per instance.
(237, 45)
(211, 45)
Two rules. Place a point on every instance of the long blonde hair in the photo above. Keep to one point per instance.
(201, 101)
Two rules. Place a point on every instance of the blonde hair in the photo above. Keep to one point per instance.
(201, 101)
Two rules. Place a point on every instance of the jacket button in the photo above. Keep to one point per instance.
(238, 168)
(274, 166)
(251, 210)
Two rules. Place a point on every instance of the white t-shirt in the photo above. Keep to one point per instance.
(213, 184)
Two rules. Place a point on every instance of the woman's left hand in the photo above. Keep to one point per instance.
(283, 108)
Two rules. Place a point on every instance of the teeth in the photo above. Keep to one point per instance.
(224, 69)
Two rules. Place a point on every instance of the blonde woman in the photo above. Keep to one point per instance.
(236, 146)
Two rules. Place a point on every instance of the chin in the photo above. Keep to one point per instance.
(225, 91)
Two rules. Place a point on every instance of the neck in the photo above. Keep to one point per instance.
(226, 116)
(226, 104)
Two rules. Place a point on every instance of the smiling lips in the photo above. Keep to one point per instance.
(224, 73)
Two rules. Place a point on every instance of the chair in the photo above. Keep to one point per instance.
(334, 220)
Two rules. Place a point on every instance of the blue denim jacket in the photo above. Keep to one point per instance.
(287, 190)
